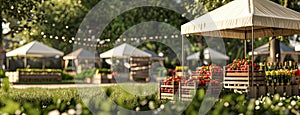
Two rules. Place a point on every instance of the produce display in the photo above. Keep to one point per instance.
(275, 74)
(242, 65)
(208, 71)
(280, 73)
(203, 79)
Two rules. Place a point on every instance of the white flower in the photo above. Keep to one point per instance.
(257, 107)
(137, 109)
(162, 106)
(256, 102)
(71, 111)
(226, 104)
(293, 103)
(280, 104)
(18, 112)
(64, 113)
(54, 112)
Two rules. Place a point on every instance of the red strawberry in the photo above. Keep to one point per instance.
(206, 80)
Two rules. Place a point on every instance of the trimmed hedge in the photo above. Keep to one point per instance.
(39, 70)
(102, 101)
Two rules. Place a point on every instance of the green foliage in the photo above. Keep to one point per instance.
(66, 76)
(86, 74)
(2, 73)
(5, 84)
(103, 70)
(44, 101)
(39, 70)
(10, 106)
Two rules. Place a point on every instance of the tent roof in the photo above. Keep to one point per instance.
(153, 55)
(208, 54)
(124, 50)
(80, 54)
(35, 49)
(264, 50)
(236, 18)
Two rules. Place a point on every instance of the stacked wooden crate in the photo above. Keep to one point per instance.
(185, 91)
(241, 80)
(168, 90)
(139, 69)
(39, 76)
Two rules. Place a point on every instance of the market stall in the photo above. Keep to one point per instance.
(39, 50)
(246, 19)
(126, 58)
(34, 49)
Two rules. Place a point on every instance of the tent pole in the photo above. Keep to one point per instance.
(66, 63)
(245, 44)
(25, 62)
(182, 55)
(7, 63)
(252, 62)
(43, 64)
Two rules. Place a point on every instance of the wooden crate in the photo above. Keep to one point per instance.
(240, 81)
(187, 91)
(295, 80)
(164, 93)
(139, 69)
(43, 76)
(285, 90)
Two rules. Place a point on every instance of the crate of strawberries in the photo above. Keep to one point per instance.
(184, 87)
(240, 67)
(211, 72)
(169, 88)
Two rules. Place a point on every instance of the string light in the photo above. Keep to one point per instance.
(72, 40)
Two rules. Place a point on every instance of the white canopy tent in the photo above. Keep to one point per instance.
(284, 49)
(34, 49)
(245, 19)
(123, 51)
(236, 19)
(208, 54)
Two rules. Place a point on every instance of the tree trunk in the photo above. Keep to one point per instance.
(1, 36)
(275, 50)
(286, 3)
(1, 28)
